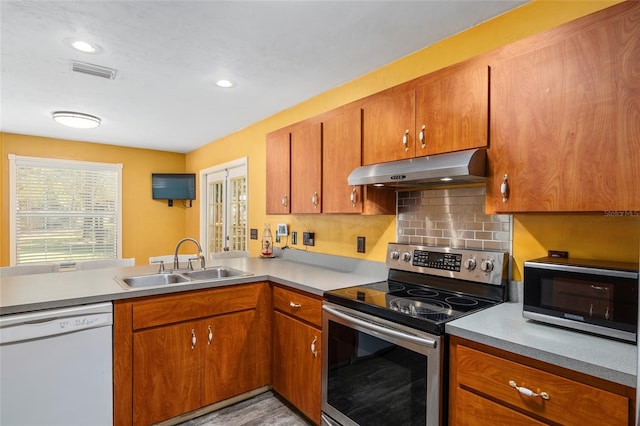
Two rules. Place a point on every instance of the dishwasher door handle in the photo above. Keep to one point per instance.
(384, 330)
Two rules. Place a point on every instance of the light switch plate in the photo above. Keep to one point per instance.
(281, 230)
(360, 246)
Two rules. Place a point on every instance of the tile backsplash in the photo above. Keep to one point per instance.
(451, 217)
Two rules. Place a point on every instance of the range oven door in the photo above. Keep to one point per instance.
(378, 372)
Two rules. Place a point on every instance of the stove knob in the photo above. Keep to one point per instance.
(406, 256)
(470, 264)
(395, 255)
(487, 265)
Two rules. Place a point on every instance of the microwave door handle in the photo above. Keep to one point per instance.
(381, 329)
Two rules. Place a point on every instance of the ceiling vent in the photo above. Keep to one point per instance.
(92, 69)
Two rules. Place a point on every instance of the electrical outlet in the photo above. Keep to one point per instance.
(308, 238)
(360, 245)
(294, 237)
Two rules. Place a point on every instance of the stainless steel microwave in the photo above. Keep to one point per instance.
(598, 297)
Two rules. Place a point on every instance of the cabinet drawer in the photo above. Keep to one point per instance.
(474, 410)
(569, 402)
(298, 305)
(197, 304)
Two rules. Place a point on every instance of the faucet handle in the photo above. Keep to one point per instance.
(161, 262)
(190, 264)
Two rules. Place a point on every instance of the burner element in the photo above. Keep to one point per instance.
(461, 301)
(423, 292)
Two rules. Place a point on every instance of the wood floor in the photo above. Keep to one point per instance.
(263, 409)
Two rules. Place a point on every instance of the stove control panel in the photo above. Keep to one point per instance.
(488, 267)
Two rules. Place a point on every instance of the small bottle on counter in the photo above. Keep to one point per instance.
(267, 242)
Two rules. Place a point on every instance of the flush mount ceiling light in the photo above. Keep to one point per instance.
(226, 84)
(82, 45)
(77, 120)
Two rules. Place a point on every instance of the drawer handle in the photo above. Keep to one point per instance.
(528, 392)
(294, 305)
(210, 336)
(313, 347)
(193, 339)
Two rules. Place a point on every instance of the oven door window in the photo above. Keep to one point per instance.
(374, 381)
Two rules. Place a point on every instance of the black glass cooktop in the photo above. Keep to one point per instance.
(420, 306)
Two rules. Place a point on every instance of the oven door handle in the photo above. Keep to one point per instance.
(423, 341)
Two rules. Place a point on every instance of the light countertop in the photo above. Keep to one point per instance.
(501, 326)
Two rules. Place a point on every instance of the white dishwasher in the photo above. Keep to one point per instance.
(56, 367)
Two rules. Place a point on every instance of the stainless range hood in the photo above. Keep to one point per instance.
(453, 168)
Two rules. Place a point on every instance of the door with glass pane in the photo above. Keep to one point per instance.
(226, 210)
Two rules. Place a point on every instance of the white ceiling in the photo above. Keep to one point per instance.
(168, 54)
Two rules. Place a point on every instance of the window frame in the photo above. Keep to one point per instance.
(14, 162)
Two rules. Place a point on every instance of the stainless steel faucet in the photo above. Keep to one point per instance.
(176, 264)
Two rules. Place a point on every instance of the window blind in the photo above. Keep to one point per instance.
(65, 210)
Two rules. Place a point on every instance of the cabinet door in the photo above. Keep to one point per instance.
(166, 373)
(341, 154)
(278, 172)
(296, 372)
(565, 120)
(306, 167)
(232, 356)
(388, 126)
(452, 110)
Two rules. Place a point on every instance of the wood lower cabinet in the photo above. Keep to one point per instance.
(565, 117)
(297, 350)
(482, 391)
(177, 353)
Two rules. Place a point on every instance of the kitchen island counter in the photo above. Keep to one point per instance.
(310, 272)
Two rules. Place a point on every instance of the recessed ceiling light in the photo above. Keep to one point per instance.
(83, 46)
(77, 120)
(226, 84)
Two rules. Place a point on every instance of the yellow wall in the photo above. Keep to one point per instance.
(336, 234)
(149, 227)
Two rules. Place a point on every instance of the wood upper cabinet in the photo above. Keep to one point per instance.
(452, 109)
(278, 179)
(341, 154)
(177, 353)
(389, 125)
(481, 391)
(306, 167)
(565, 117)
(297, 350)
(444, 111)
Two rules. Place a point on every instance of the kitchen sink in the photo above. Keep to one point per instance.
(153, 280)
(177, 277)
(215, 273)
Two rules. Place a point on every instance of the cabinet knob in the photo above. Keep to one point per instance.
(284, 200)
(193, 339)
(504, 188)
(528, 392)
(353, 197)
(405, 140)
(422, 136)
(313, 347)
